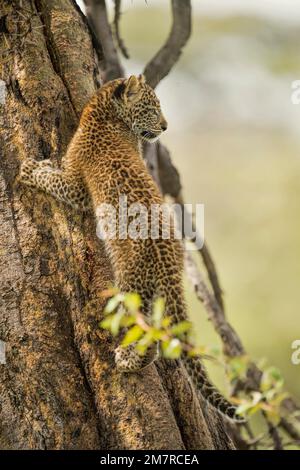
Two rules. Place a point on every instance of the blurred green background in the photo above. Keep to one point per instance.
(235, 137)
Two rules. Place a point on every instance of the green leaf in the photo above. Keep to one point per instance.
(252, 411)
(145, 342)
(244, 408)
(141, 348)
(134, 334)
(181, 328)
(157, 334)
(171, 349)
(113, 303)
(132, 302)
(128, 320)
(116, 320)
(158, 311)
(238, 367)
(106, 323)
(166, 321)
(271, 378)
(275, 374)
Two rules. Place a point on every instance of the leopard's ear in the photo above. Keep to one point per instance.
(142, 79)
(132, 88)
(119, 91)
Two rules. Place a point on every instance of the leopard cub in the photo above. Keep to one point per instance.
(104, 162)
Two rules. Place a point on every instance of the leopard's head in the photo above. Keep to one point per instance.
(138, 106)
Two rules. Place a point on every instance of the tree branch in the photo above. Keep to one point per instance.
(290, 429)
(231, 342)
(97, 17)
(95, 40)
(166, 175)
(163, 61)
(274, 434)
(116, 23)
(170, 184)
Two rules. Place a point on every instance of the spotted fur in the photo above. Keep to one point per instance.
(104, 161)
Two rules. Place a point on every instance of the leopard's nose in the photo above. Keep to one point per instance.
(164, 125)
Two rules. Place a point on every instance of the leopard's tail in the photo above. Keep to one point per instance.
(198, 375)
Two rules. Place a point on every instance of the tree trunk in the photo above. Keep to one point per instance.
(58, 387)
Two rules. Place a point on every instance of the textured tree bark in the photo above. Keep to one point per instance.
(58, 388)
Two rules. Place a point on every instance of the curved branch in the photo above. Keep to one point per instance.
(212, 274)
(163, 61)
(231, 342)
(96, 13)
(116, 23)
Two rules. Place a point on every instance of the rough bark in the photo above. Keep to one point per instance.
(58, 388)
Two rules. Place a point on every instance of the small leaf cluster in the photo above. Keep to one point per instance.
(267, 399)
(124, 311)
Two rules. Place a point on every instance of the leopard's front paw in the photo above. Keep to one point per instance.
(28, 168)
(26, 175)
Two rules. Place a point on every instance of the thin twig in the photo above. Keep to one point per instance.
(290, 429)
(292, 408)
(274, 434)
(161, 64)
(116, 24)
(212, 274)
